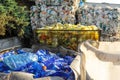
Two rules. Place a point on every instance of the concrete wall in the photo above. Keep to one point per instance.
(9, 43)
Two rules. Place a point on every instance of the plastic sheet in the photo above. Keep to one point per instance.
(100, 58)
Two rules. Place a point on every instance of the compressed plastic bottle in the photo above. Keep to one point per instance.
(15, 62)
(6, 54)
(81, 4)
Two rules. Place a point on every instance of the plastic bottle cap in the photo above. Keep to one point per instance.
(44, 67)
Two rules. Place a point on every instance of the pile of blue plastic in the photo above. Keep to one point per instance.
(41, 64)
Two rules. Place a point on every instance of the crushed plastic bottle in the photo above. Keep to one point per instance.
(45, 57)
(6, 54)
(20, 51)
(81, 4)
(42, 63)
(24, 50)
(36, 69)
(15, 62)
(68, 59)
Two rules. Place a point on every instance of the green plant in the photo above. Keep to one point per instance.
(13, 16)
(3, 21)
(84, 0)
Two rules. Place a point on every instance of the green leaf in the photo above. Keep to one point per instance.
(15, 16)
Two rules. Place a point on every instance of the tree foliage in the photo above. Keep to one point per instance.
(13, 16)
(84, 0)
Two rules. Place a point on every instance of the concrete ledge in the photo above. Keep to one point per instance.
(9, 43)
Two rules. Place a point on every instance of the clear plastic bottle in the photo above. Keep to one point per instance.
(55, 41)
(15, 62)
